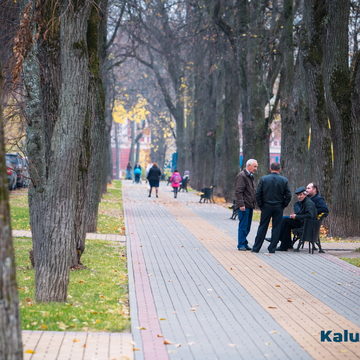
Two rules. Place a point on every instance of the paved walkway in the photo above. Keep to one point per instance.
(193, 296)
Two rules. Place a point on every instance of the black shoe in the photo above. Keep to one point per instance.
(280, 249)
(247, 247)
(149, 196)
(242, 249)
(271, 252)
(268, 239)
(254, 251)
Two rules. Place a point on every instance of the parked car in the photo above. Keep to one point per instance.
(21, 168)
(12, 176)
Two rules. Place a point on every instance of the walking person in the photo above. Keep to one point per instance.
(137, 173)
(175, 180)
(245, 202)
(153, 177)
(272, 196)
(128, 171)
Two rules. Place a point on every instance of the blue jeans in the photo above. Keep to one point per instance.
(245, 218)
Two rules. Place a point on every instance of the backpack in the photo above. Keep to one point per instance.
(176, 179)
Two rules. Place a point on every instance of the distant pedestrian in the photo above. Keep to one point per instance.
(137, 173)
(245, 202)
(175, 180)
(128, 171)
(153, 177)
(272, 196)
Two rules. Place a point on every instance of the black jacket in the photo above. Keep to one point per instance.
(305, 209)
(154, 173)
(273, 190)
(245, 190)
(319, 202)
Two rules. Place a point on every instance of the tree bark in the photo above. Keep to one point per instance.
(293, 108)
(342, 99)
(56, 113)
(10, 332)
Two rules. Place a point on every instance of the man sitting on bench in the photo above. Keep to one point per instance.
(312, 191)
(304, 209)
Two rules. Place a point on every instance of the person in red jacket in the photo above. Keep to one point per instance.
(175, 182)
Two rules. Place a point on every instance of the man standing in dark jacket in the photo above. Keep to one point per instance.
(272, 196)
(305, 210)
(245, 202)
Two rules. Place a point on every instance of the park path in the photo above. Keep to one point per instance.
(194, 296)
(75, 345)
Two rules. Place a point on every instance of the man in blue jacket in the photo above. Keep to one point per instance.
(312, 191)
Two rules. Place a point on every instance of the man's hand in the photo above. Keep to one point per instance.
(242, 208)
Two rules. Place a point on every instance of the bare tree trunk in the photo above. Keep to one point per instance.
(320, 152)
(293, 109)
(117, 150)
(54, 146)
(10, 333)
(341, 93)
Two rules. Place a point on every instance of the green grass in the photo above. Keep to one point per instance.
(97, 296)
(110, 218)
(19, 210)
(353, 261)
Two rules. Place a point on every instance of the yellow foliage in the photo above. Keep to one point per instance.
(137, 113)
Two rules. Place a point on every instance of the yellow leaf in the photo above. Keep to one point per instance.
(167, 342)
(29, 352)
(43, 327)
(75, 340)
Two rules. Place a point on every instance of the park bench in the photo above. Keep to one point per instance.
(309, 232)
(206, 194)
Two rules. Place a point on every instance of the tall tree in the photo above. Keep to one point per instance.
(10, 333)
(341, 84)
(56, 112)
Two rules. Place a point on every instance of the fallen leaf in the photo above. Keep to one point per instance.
(136, 349)
(193, 309)
(290, 300)
(160, 335)
(29, 352)
(162, 318)
(273, 332)
(178, 345)
(272, 307)
(277, 285)
(167, 342)
(75, 340)
(43, 326)
(141, 328)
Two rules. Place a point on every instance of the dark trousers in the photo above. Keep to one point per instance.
(268, 212)
(285, 234)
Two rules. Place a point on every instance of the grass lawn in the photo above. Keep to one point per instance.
(110, 219)
(354, 261)
(97, 296)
